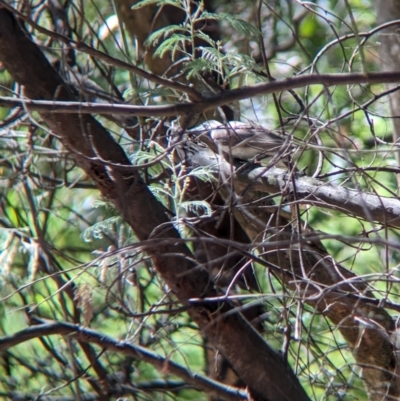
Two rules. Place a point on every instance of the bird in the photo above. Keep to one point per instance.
(245, 141)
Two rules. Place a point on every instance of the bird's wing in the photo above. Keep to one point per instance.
(266, 139)
(242, 133)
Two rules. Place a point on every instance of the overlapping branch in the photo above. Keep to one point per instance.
(90, 144)
(137, 352)
(303, 264)
(206, 102)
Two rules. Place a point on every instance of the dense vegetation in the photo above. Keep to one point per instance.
(139, 262)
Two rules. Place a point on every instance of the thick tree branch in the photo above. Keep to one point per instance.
(83, 47)
(302, 263)
(311, 191)
(90, 143)
(209, 102)
(307, 190)
(82, 334)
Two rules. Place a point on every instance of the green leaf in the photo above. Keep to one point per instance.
(145, 3)
(172, 44)
(212, 54)
(206, 174)
(148, 93)
(196, 67)
(160, 193)
(153, 151)
(99, 230)
(206, 38)
(241, 63)
(239, 24)
(156, 36)
(214, 60)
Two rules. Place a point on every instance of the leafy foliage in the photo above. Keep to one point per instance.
(144, 3)
(238, 24)
(68, 256)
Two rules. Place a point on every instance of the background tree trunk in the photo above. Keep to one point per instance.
(208, 263)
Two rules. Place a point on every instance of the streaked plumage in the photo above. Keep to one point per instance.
(242, 140)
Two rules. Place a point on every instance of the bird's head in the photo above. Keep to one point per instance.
(206, 126)
(212, 124)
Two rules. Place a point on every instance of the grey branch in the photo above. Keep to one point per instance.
(367, 206)
(308, 190)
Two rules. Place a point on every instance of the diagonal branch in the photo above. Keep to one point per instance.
(89, 144)
(82, 334)
(81, 46)
(307, 269)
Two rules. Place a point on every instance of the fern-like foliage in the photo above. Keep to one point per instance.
(163, 33)
(238, 24)
(175, 38)
(144, 3)
(148, 154)
(197, 67)
(206, 174)
(102, 229)
(108, 205)
(212, 54)
(226, 65)
(172, 44)
(212, 60)
(239, 63)
(160, 193)
(149, 93)
(201, 35)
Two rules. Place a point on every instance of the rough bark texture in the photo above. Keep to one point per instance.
(310, 271)
(140, 24)
(260, 367)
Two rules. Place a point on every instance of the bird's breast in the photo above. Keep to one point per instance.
(240, 151)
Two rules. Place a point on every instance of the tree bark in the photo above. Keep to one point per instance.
(303, 264)
(260, 367)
